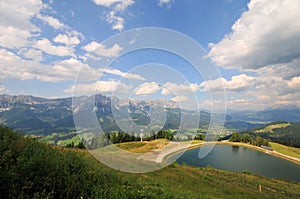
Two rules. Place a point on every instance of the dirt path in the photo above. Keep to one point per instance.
(158, 155)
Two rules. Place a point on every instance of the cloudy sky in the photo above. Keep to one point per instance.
(55, 48)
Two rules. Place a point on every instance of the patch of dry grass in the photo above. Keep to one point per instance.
(143, 147)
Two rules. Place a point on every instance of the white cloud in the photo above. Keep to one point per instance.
(2, 88)
(147, 88)
(98, 87)
(13, 66)
(46, 46)
(114, 16)
(178, 89)
(18, 14)
(15, 23)
(66, 39)
(51, 21)
(294, 82)
(237, 83)
(32, 54)
(165, 2)
(268, 33)
(180, 98)
(120, 4)
(123, 74)
(100, 50)
(67, 70)
(11, 37)
(116, 21)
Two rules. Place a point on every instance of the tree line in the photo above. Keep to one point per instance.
(247, 138)
(104, 139)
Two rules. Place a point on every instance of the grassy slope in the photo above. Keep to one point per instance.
(40, 170)
(182, 181)
(192, 182)
(290, 151)
(271, 127)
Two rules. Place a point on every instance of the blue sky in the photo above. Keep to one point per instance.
(46, 46)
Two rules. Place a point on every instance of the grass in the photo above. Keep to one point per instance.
(76, 140)
(31, 169)
(183, 181)
(286, 150)
(269, 128)
(191, 182)
(143, 147)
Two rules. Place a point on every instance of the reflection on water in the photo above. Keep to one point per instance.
(235, 149)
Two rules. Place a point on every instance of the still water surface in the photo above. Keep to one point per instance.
(235, 158)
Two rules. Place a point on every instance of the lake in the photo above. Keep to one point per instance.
(237, 158)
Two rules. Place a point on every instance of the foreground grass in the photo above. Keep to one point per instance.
(30, 169)
(286, 150)
(182, 181)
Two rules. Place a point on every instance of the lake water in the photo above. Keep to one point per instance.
(235, 158)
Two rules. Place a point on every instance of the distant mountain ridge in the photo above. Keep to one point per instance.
(37, 115)
(43, 116)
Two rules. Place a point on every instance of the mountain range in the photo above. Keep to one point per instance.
(42, 116)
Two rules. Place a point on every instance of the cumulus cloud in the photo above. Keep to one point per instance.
(180, 98)
(122, 4)
(51, 21)
(99, 49)
(67, 69)
(123, 74)
(13, 66)
(294, 82)
(178, 89)
(66, 39)
(268, 33)
(46, 46)
(19, 13)
(32, 54)
(105, 87)
(12, 37)
(114, 16)
(15, 23)
(116, 21)
(147, 88)
(22, 55)
(2, 88)
(165, 2)
(237, 83)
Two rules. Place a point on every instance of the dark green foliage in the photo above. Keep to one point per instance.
(235, 137)
(199, 136)
(247, 138)
(288, 135)
(120, 137)
(30, 169)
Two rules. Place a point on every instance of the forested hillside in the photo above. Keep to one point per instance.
(287, 133)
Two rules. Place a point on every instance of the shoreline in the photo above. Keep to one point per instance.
(198, 145)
